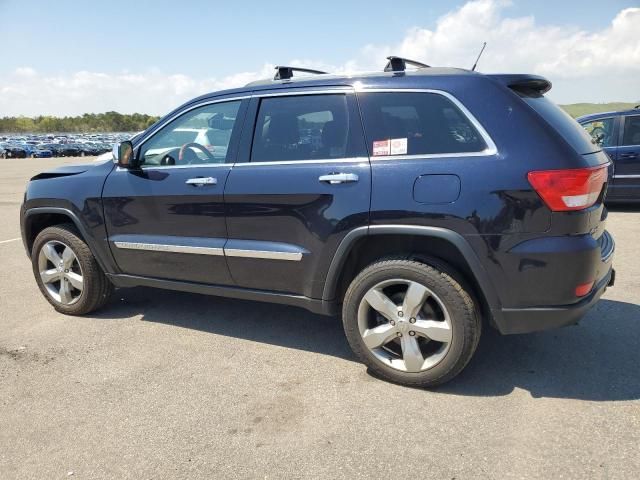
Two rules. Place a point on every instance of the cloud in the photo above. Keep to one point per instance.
(26, 92)
(590, 66)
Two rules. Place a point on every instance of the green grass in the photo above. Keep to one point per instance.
(579, 109)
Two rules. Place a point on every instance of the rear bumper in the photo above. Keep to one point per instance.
(560, 273)
(527, 320)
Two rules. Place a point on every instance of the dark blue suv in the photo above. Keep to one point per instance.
(618, 133)
(419, 204)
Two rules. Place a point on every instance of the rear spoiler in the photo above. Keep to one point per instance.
(523, 81)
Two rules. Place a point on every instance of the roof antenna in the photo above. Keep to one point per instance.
(479, 55)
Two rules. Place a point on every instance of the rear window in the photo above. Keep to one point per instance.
(561, 121)
(408, 123)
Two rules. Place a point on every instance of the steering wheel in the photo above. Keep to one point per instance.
(194, 145)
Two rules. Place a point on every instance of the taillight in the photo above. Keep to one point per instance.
(571, 189)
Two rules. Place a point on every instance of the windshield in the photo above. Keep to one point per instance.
(564, 124)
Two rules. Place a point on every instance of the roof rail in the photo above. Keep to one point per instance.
(399, 64)
(285, 73)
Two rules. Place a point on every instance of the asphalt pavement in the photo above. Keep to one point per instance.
(174, 385)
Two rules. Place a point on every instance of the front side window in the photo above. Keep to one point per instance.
(631, 134)
(408, 123)
(601, 131)
(201, 136)
(304, 127)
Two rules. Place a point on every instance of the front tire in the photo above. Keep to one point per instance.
(410, 323)
(67, 272)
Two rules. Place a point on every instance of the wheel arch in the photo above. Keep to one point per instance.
(36, 219)
(443, 245)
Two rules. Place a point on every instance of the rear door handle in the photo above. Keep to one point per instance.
(335, 178)
(202, 181)
(628, 155)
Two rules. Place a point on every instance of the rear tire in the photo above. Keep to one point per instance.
(67, 272)
(410, 323)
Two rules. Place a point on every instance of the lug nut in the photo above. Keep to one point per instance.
(392, 322)
(412, 320)
(412, 333)
(399, 334)
(66, 271)
(400, 314)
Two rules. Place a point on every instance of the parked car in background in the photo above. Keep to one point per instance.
(56, 148)
(41, 151)
(87, 149)
(618, 133)
(14, 150)
(69, 150)
(3, 152)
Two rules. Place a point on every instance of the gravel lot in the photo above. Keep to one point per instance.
(175, 385)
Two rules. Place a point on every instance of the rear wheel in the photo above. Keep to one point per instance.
(410, 323)
(67, 272)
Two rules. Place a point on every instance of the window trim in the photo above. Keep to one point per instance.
(487, 152)
(343, 89)
(624, 123)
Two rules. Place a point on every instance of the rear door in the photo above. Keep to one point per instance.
(302, 182)
(627, 172)
(166, 220)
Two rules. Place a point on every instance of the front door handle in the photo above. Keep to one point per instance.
(336, 178)
(202, 181)
(628, 155)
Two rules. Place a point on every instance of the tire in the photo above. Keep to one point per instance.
(447, 313)
(96, 287)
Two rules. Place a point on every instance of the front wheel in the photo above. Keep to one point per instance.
(67, 272)
(410, 323)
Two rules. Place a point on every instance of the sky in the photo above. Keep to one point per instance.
(73, 57)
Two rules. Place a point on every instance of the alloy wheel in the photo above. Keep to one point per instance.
(405, 325)
(60, 272)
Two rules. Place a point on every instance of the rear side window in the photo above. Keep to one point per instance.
(561, 121)
(408, 123)
(301, 127)
(631, 134)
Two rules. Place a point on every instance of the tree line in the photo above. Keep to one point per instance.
(89, 122)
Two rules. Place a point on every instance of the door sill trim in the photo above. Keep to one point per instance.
(322, 307)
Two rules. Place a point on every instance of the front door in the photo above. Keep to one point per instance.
(302, 182)
(166, 220)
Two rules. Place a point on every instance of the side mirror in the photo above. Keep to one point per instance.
(123, 154)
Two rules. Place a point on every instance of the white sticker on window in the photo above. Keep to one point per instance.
(381, 147)
(398, 146)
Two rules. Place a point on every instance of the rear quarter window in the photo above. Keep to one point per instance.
(415, 123)
(561, 121)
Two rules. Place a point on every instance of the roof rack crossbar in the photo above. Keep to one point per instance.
(284, 72)
(399, 64)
